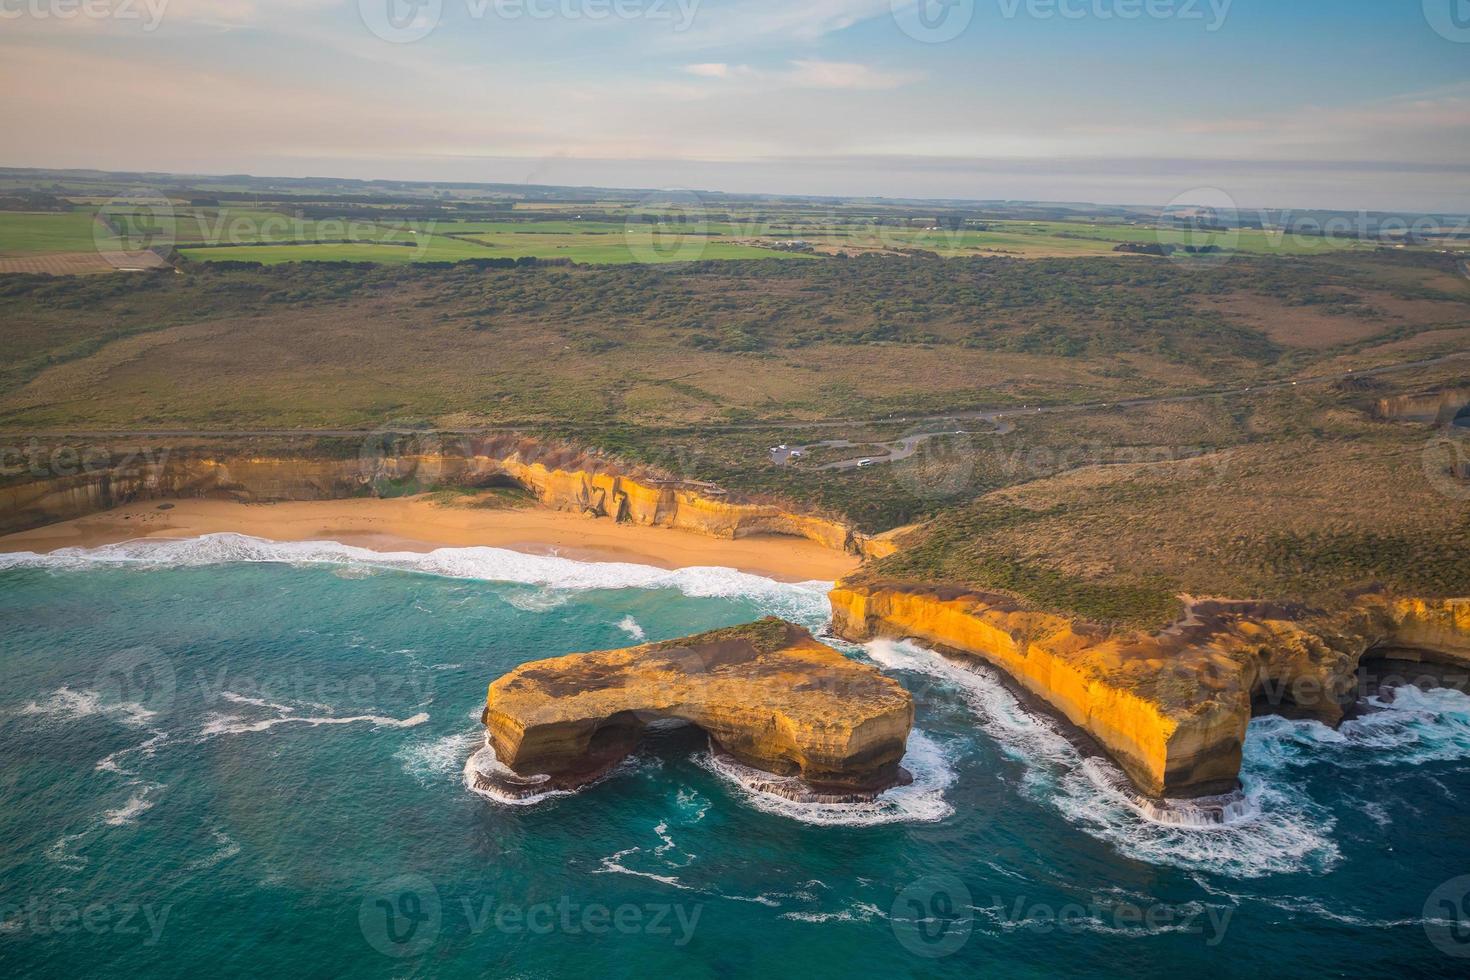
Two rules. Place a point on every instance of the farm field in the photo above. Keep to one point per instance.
(249, 219)
(41, 233)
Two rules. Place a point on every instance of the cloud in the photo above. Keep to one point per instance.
(712, 69)
(807, 73)
(747, 23)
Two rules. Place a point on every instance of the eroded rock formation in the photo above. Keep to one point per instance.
(767, 694)
(1170, 708)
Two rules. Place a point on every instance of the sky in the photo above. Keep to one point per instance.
(1265, 103)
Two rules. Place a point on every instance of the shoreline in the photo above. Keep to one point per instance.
(419, 524)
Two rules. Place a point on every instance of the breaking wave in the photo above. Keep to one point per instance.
(806, 601)
(432, 761)
(483, 761)
(1270, 829)
(1405, 727)
(922, 801)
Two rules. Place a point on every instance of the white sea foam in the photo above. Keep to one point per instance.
(630, 626)
(111, 763)
(1273, 829)
(922, 801)
(857, 912)
(806, 601)
(226, 849)
(483, 761)
(1406, 728)
(65, 704)
(136, 805)
(612, 864)
(235, 725)
(59, 852)
(437, 759)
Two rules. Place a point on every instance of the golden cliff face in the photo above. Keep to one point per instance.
(665, 503)
(1171, 708)
(561, 479)
(767, 694)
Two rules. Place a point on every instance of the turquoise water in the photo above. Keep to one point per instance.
(224, 756)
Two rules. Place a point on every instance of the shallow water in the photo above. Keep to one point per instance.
(231, 756)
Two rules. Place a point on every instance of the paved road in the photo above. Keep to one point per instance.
(892, 451)
(1003, 420)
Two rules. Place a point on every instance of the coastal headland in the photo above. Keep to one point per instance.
(1168, 705)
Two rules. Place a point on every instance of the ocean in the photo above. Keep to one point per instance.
(228, 756)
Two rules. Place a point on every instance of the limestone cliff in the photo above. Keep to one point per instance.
(767, 694)
(1435, 407)
(1170, 708)
(561, 478)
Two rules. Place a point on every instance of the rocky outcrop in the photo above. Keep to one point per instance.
(560, 478)
(1435, 407)
(1169, 708)
(767, 694)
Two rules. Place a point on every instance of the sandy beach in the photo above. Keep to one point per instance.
(420, 524)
